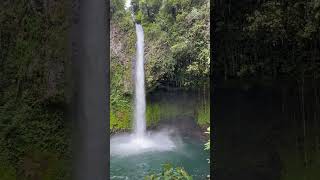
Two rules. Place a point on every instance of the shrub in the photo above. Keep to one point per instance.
(169, 172)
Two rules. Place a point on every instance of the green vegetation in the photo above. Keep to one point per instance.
(177, 41)
(122, 37)
(268, 40)
(176, 57)
(276, 44)
(34, 54)
(153, 114)
(33, 43)
(176, 54)
(203, 115)
(170, 172)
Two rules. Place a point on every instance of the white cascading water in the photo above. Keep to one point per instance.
(140, 141)
(127, 5)
(140, 97)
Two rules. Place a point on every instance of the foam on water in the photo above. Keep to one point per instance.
(130, 144)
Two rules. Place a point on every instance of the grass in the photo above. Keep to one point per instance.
(203, 115)
(120, 120)
(153, 114)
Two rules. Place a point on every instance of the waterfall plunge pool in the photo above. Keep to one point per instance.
(187, 153)
(177, 140)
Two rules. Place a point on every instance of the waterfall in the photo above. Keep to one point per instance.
(140, 141)
(127, 4)
(139, 93)
(140, 97)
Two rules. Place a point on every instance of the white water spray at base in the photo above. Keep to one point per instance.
(129, 144)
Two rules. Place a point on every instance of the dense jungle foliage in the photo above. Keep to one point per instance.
(169, 172)
(176, 54)
(268, 40)
(34, 135)
(275, 43)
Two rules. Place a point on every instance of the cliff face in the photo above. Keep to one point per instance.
(158, 57)
(122, 50)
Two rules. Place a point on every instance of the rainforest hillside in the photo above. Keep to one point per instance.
(33, 55)
(177, 50)
(268, 40)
